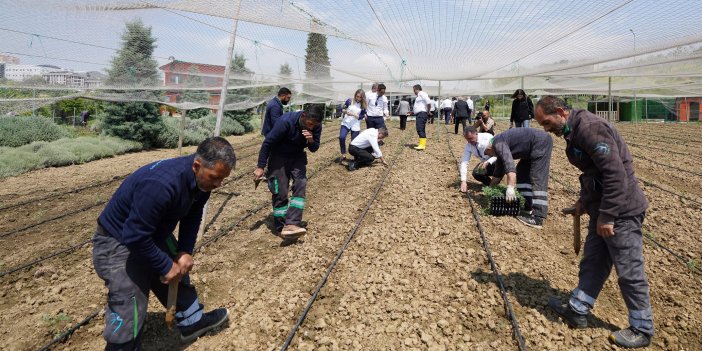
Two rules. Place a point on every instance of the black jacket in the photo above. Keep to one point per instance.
(522, 110)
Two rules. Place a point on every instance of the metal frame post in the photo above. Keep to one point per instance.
(181, 132)
(609, 92)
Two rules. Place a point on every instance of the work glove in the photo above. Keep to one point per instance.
(510, 195)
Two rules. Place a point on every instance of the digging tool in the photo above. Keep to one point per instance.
(258, 181)
(576, 228)
(171, 303)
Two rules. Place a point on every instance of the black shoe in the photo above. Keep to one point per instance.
(630, 338)
(209, 321)
(351, 166)
(573, 319)
(530, 220)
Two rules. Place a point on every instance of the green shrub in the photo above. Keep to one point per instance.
(17, 131)
(61, 152)
(244, 118)
(138, 121)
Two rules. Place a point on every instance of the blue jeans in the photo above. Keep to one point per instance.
(447, 115)
(421, 122)
(343, 132)
(522, 124)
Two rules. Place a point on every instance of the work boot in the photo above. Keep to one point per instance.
(572, 318)
(291, 231)
(209, 321)
(351, 166)
(532, 221)
(630, 338)
(422, 144)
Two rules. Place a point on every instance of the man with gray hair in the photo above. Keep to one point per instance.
(611, 195)
(135, 251)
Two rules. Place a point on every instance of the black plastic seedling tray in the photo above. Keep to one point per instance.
(500, 207)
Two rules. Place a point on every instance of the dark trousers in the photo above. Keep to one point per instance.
(129, 280)
(281, 170)
(447, 115)
(457, 121)
(484, 178)
(421, 123)
(362, 157)
(343, 133)
(375, 122)
(431, 117)
(522, 124)
(532, 177)
(624, 251)
(403, 122)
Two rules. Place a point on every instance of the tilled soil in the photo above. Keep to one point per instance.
(414, 277)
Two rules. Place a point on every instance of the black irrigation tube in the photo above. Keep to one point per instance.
(668, 166)
(654, 137)
(649, 183)
(76, 190)
(220, 233)
(44, 258)
(67, 334)
(658, 149)
(99, 203)
(79, 189)
(332, 265)
(646, 235)
(509, 311)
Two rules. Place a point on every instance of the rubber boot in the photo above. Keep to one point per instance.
(422, 144)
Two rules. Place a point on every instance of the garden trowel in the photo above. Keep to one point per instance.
(171, 303)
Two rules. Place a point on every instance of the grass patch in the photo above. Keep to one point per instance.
(21, 130)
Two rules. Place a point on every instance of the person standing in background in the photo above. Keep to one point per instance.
(274, 109)
(522, 110)
(422, 105)
(403, 110)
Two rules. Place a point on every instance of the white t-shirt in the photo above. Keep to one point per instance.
(478, 150)
(420, 104)
(446, 104)
(350, 121)
(368, 138)
(378, 109)
(470, 104)
(433, 105)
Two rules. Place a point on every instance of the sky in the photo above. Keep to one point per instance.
(414, 40)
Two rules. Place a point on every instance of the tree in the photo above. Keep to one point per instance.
(239, 65)
(194, 80)
(316, 63)
(139, 121)
(285, 70)
(134, 63)
(239, 70)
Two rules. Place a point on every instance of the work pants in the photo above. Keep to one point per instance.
(281, 170)
(362, 157)
(532, 177)
(431, 117)
(421, 123)
(447, 115)
(128, 280)
(403, 122)
(624, 251)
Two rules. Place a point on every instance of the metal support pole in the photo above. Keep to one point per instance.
(609, 92)
(439, 95)
(222, 100)
(34, 101)
(181, 133)
(74, 117)
(646, 108)
(225, 81)
(503, 104)
(521, 83)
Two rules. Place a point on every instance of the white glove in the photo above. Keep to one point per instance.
(510, 195)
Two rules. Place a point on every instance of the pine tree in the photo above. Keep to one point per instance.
(316, 65)
(285, 70)
(139, 121)
(134, 63)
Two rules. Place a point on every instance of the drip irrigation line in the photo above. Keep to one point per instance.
(99, 203)
(649, 183)
(67, 334)
(220, 233)
(76, 190)
(658, 148)
(509, 311)
(351, 235)
(44, 258)
(669, 166)
(646, 235)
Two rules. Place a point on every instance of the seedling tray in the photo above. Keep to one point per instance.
(500, 207)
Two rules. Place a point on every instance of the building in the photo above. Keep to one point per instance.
(20, 73)
(9, 59)
(67, 78)
(181, 74)
(688, 109)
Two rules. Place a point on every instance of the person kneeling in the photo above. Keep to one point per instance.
(365, 148)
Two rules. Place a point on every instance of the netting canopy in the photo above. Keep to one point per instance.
(324, 50)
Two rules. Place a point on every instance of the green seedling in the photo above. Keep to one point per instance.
(692, 265)
(57, 324)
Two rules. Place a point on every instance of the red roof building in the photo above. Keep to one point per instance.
(181, 74)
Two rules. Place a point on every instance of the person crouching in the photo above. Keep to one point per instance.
(365, 148)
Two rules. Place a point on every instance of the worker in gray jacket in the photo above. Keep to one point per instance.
(532, 147)
(610, 194)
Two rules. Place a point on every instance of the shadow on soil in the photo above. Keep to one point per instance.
(157, 336)
(534, 293)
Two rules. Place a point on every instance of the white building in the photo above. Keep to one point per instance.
(21, 72)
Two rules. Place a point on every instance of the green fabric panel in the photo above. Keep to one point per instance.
(280, 211)
(170, 242)
(297, 202)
